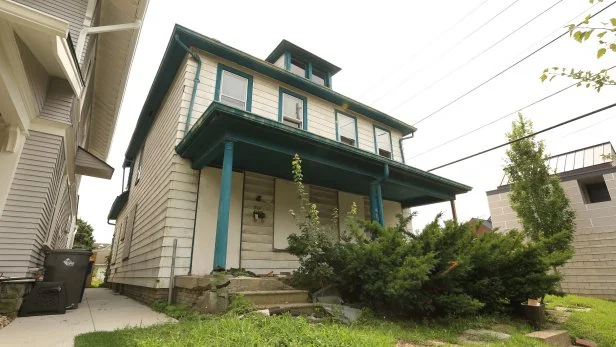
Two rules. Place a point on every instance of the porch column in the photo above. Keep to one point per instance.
(224, 202)
(373, 204)
(379, 204)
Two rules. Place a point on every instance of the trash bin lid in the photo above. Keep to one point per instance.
(71, 251)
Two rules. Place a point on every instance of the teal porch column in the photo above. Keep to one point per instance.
(224, 203)
(379, 204)
(373, 204)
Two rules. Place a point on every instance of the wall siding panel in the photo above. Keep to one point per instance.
(72, 11)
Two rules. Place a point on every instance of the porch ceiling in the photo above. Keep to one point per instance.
(266, 146)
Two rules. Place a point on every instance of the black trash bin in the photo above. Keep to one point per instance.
(68, 266)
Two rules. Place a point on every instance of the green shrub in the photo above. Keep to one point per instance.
(180, 312)
(445, 270)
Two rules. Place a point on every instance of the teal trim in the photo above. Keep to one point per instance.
(356, 131)
(299, 96)
(287, 61)
(309, 71)
(376, 148)
(195, 83)
(328, 80)
(379, 204)
(223, 67)
(224, 205)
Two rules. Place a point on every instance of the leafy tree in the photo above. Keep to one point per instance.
(537, 196)
(605, 33)
(83, 237)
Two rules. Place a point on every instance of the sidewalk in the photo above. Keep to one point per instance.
(100, 310)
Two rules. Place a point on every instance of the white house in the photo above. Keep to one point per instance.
(213, 147)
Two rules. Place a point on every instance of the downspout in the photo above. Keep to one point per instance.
(195, 84)
(401, 140)
(379, 198)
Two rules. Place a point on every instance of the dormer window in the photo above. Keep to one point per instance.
(319, 77)
(298, 68)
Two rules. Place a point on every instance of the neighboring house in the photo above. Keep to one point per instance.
(100, 252)
(589, 182)
(63, 68)
(483, 225)
(210, 163)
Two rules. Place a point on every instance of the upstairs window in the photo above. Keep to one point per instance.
(382, 142)
(233, 88)
(594, 190)
(292, 109)
(298, 67)
(346, 129)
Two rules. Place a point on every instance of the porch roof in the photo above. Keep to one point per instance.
(266, 146)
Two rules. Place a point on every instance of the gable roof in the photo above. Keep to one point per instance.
(174, 55)
(301, 53)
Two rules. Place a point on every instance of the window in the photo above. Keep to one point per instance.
(346, 129)
(298, 68)
(594, 190)
(292, 109)
(318, 77)
(233, 88)
(382, 142)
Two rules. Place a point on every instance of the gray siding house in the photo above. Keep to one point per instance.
(589, 180)
(210, 163)
(63, 69)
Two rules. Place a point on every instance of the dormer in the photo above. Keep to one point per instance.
(303, 63)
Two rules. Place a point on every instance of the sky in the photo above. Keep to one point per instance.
(407, 59)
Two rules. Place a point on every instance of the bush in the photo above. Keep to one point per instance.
(445, 270)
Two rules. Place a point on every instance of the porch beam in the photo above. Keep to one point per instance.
(426, 191)
(224, 204)
(206, 158)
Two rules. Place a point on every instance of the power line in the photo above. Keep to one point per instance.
(503, 71)
(432, 62)
(527, 136)
(498, 119)
(447, 75)
(432, 42)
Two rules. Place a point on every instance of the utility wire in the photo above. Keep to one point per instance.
(447, 75)
(527, 136)
(498, 119)
(433, 61)
(503, 71)
(432, 42)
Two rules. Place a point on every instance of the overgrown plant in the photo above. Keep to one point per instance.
(445, 270)
(537, 197)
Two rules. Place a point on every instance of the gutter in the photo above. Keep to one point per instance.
(195, 83)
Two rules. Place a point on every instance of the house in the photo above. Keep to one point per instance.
(63, 68)
(588, 178)
(483, 225)
(100, 253)
(210, 163)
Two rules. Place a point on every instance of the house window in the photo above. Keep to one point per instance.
(298, 68)
(233, 88)
(346, 129)
(318, 77)
(292, 109)
(594, 190)
(382, 142)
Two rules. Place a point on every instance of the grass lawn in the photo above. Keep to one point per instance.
(257, 330)
(598, 324)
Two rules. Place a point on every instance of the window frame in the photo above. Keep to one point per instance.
(139, 164)
(338, 132)
(282, 91)
(376, 144)
(308, 69)
(593, 181)
(217, 93)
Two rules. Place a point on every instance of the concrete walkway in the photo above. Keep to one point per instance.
(100, 310)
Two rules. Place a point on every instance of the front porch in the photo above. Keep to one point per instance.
(245, 168)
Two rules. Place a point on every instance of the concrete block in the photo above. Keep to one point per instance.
(557, 338)
(274, 297)
(585, 343)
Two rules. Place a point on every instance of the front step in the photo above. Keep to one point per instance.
(269, 298)
(294, 309)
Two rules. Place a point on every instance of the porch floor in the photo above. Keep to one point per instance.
(100, 310)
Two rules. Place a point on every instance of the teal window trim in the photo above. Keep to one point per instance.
(328, 80)
(287, 61)
(356, 132)
(139, 162)
(376, 146)
(299, 96)
(309, 71)
(227, 68)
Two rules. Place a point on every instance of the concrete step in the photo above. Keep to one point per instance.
(556, 338)
(275, 297)
(294, 309)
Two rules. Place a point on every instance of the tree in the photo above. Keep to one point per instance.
(605, 33)
(537, 196)
(83, 237)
